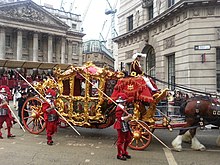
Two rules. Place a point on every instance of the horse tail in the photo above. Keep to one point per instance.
(182, 107)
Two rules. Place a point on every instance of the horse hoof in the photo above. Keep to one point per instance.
(200, 149)
(177, 149)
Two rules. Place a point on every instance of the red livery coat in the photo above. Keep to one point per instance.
(51, 126)
(124, 138)
(118, 114)
(45, 106)
(7, 118)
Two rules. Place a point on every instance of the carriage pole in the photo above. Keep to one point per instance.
(124, 111)
(16, 118)
(47, 102)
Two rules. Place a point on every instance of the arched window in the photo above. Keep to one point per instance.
(150, 62)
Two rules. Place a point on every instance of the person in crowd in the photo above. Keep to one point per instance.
(185, 97)
(5, 113)
(16, 92)
(21, 102)
(122, 127)
(178, 100)
(50, 115)
(170, 97)
(136, 70)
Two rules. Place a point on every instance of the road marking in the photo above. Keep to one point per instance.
(87, 160)
(170, 158)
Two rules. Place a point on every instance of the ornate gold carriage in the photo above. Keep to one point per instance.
(84, 99)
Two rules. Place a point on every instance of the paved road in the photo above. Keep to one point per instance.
(96, 147)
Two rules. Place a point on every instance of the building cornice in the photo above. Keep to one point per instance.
(165, 15)
(31, 13)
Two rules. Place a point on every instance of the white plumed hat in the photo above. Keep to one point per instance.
(138, 55)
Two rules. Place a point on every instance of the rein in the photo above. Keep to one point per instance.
(186, 128)
(181, 86)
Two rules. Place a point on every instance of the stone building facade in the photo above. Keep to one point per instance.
(30, 33)
(96, 51)
(180, 38)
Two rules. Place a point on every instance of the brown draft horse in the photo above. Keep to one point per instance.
(199, 111)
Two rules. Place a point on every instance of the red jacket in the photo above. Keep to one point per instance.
(2, 99)
(45, 106)
(118, 113)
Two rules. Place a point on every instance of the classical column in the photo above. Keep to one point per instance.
(19, 45)
(80, 53)
(58, 49)
(63, 41)
(50, 49)
(2, 43)
(35, 47)
(70, 51)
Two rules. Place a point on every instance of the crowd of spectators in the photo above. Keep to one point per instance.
(10, 78)
(173, 101)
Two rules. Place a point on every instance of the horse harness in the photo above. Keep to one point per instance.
(214, 107)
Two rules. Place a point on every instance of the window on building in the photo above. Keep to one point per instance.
(95, 46)
(171, 3)
(74, 49)
(8, 41)
(218, 81)
(86, 47)
(150, 12)
(218, 55)
(130, 23)
(73, 26)
(39, 45)
(171, 71)
(218, 68)
(24, 43)
(151, 62)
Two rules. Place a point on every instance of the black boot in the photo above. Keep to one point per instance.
(121, 157)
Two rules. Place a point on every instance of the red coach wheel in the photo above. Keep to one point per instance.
(32, 115)
(141, 138)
